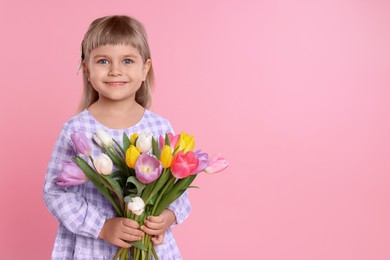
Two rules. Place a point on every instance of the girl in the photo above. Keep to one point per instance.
(118, 77)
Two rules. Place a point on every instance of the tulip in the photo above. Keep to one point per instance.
(147, 168)
(103, 164)
(144, 142)
(216, 164)
(136, 205)
(70, 175)
(184, 164)
(133, 137)
(82, 143)
(166, 156)
(132, 155)
(172, 140)
(186, 143)
(102, 137)
(203, 161)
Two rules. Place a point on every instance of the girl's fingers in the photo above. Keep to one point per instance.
(155, 219)
(133, 232)
(150, 231)
(130, 237)
(121, 243)
(130, 223)
(153, 225)
(158, 240)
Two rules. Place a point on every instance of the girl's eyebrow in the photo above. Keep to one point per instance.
(108, 56)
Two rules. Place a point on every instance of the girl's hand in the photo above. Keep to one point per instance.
(157, 226)
(119, 230)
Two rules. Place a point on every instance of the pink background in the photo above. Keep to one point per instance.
(294, 93)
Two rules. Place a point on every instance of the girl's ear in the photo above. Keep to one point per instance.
(85, 68)
(146, 68)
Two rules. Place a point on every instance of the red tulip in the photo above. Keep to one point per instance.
(184, 165)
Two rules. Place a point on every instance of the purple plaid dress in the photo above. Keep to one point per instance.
(81, 210)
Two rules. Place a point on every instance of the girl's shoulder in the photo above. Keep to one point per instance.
(154, 120)
(80, 121)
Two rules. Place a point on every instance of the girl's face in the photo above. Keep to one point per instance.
(116, 72)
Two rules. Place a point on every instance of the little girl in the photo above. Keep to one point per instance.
(118, 77)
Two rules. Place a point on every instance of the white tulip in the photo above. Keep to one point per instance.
(144, 142)
(137, 206)
(102, 137)
(103, 164)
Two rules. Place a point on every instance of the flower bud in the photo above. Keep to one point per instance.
(147, 168)
(70, 175)
(216, 164)
(185, 143)
(133, 137)
(136, 205)
(132, 155)
(184, 164)
(102, 137)
(82, 143)
(166, 156)
(144, 142)
(103, 164)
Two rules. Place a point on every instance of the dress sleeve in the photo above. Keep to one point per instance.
(181, 207)
(67, 204)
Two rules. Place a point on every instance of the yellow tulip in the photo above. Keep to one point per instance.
(133, 137)
(186, 143)
(166, 156)
(132, 155)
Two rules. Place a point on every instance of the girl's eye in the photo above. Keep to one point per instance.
(102, 61)
(127, 61)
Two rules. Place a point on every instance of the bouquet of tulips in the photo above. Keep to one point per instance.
(141, 177)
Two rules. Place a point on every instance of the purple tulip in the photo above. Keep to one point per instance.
(82, 143)
(147, 168)
(203, 161)
(70, 175)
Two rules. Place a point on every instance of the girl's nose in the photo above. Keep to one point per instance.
(114, 70)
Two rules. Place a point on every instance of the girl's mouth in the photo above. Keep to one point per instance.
(116, 83)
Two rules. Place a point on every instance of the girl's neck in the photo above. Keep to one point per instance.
(116, 115)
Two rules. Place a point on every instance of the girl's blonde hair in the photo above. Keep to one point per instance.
(116, 30)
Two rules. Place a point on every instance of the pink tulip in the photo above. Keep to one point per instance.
(82, 143)
(184, 165)
(147, 168)
(172, 140)
(70, 175)
(216, 164)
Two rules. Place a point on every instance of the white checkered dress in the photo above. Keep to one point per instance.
(81, 210)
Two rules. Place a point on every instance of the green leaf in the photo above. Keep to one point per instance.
(156, 152)
(159, 183)
(138, 244)
(115, 186)
(134, 186)
(126, 143)
(113, 156)
(167, 142)
(193, 187)
(119, 176)
(176, 191)
(119, 147)
(95, 179)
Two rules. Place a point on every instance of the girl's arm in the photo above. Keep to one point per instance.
(181, 207)
(66, 204)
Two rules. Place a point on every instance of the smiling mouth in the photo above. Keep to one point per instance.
(116, 83)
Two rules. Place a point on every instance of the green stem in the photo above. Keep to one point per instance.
(154, 253)
(172, 180)
(118, 253)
